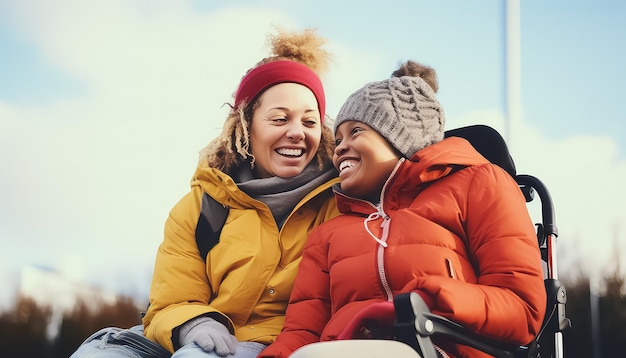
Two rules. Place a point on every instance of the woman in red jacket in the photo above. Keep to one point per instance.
(419, 213)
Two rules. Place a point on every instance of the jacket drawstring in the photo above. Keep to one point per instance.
(384, 225)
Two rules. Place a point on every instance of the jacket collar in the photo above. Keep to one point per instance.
(411, 176)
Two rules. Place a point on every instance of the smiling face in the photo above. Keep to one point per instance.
(285, 131)
(364, 160)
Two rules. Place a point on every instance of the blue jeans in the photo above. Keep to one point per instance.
(116, 342)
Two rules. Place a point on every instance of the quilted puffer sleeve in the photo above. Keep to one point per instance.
(508, 302)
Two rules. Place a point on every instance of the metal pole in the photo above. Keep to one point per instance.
(594, 306)
(513, 107)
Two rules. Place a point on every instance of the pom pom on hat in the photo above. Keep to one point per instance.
(404, 110)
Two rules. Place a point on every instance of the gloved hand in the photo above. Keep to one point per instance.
(209, 334)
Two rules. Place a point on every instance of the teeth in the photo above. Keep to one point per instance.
(346, 164)
(290, 152)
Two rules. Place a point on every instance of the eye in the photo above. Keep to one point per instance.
(337, 141)
(310, 122)
(356, 130)
(279, 118)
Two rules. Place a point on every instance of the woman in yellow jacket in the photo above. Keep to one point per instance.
(271, 167)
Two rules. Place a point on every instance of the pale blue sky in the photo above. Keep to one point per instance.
(105, 104)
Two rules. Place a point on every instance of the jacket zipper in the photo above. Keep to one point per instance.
(382, 243)
(382, 275)
(381, 263)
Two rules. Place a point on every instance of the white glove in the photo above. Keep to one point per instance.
(209, 334)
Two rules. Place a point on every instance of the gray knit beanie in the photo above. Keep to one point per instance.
(404, 110)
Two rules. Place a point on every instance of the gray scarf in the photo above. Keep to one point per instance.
(282, 194)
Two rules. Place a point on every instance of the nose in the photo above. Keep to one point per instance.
(341, 148)
(295, 132)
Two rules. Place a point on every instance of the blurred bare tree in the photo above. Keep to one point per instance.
(23, 329)
(598, 318)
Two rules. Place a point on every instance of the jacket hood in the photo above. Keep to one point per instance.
(413, 175)
(219, 185)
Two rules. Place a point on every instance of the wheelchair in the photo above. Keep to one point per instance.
(415, 325)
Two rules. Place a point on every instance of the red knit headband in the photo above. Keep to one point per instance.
(284, 71)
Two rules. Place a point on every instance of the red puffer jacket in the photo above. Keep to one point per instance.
(452, 226)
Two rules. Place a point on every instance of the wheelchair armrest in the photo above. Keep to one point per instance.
(415, 324)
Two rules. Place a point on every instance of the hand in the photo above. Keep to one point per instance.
(209, 335)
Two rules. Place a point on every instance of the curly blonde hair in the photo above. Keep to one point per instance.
(232, 146)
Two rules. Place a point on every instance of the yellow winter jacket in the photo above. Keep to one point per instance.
(247, 278)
